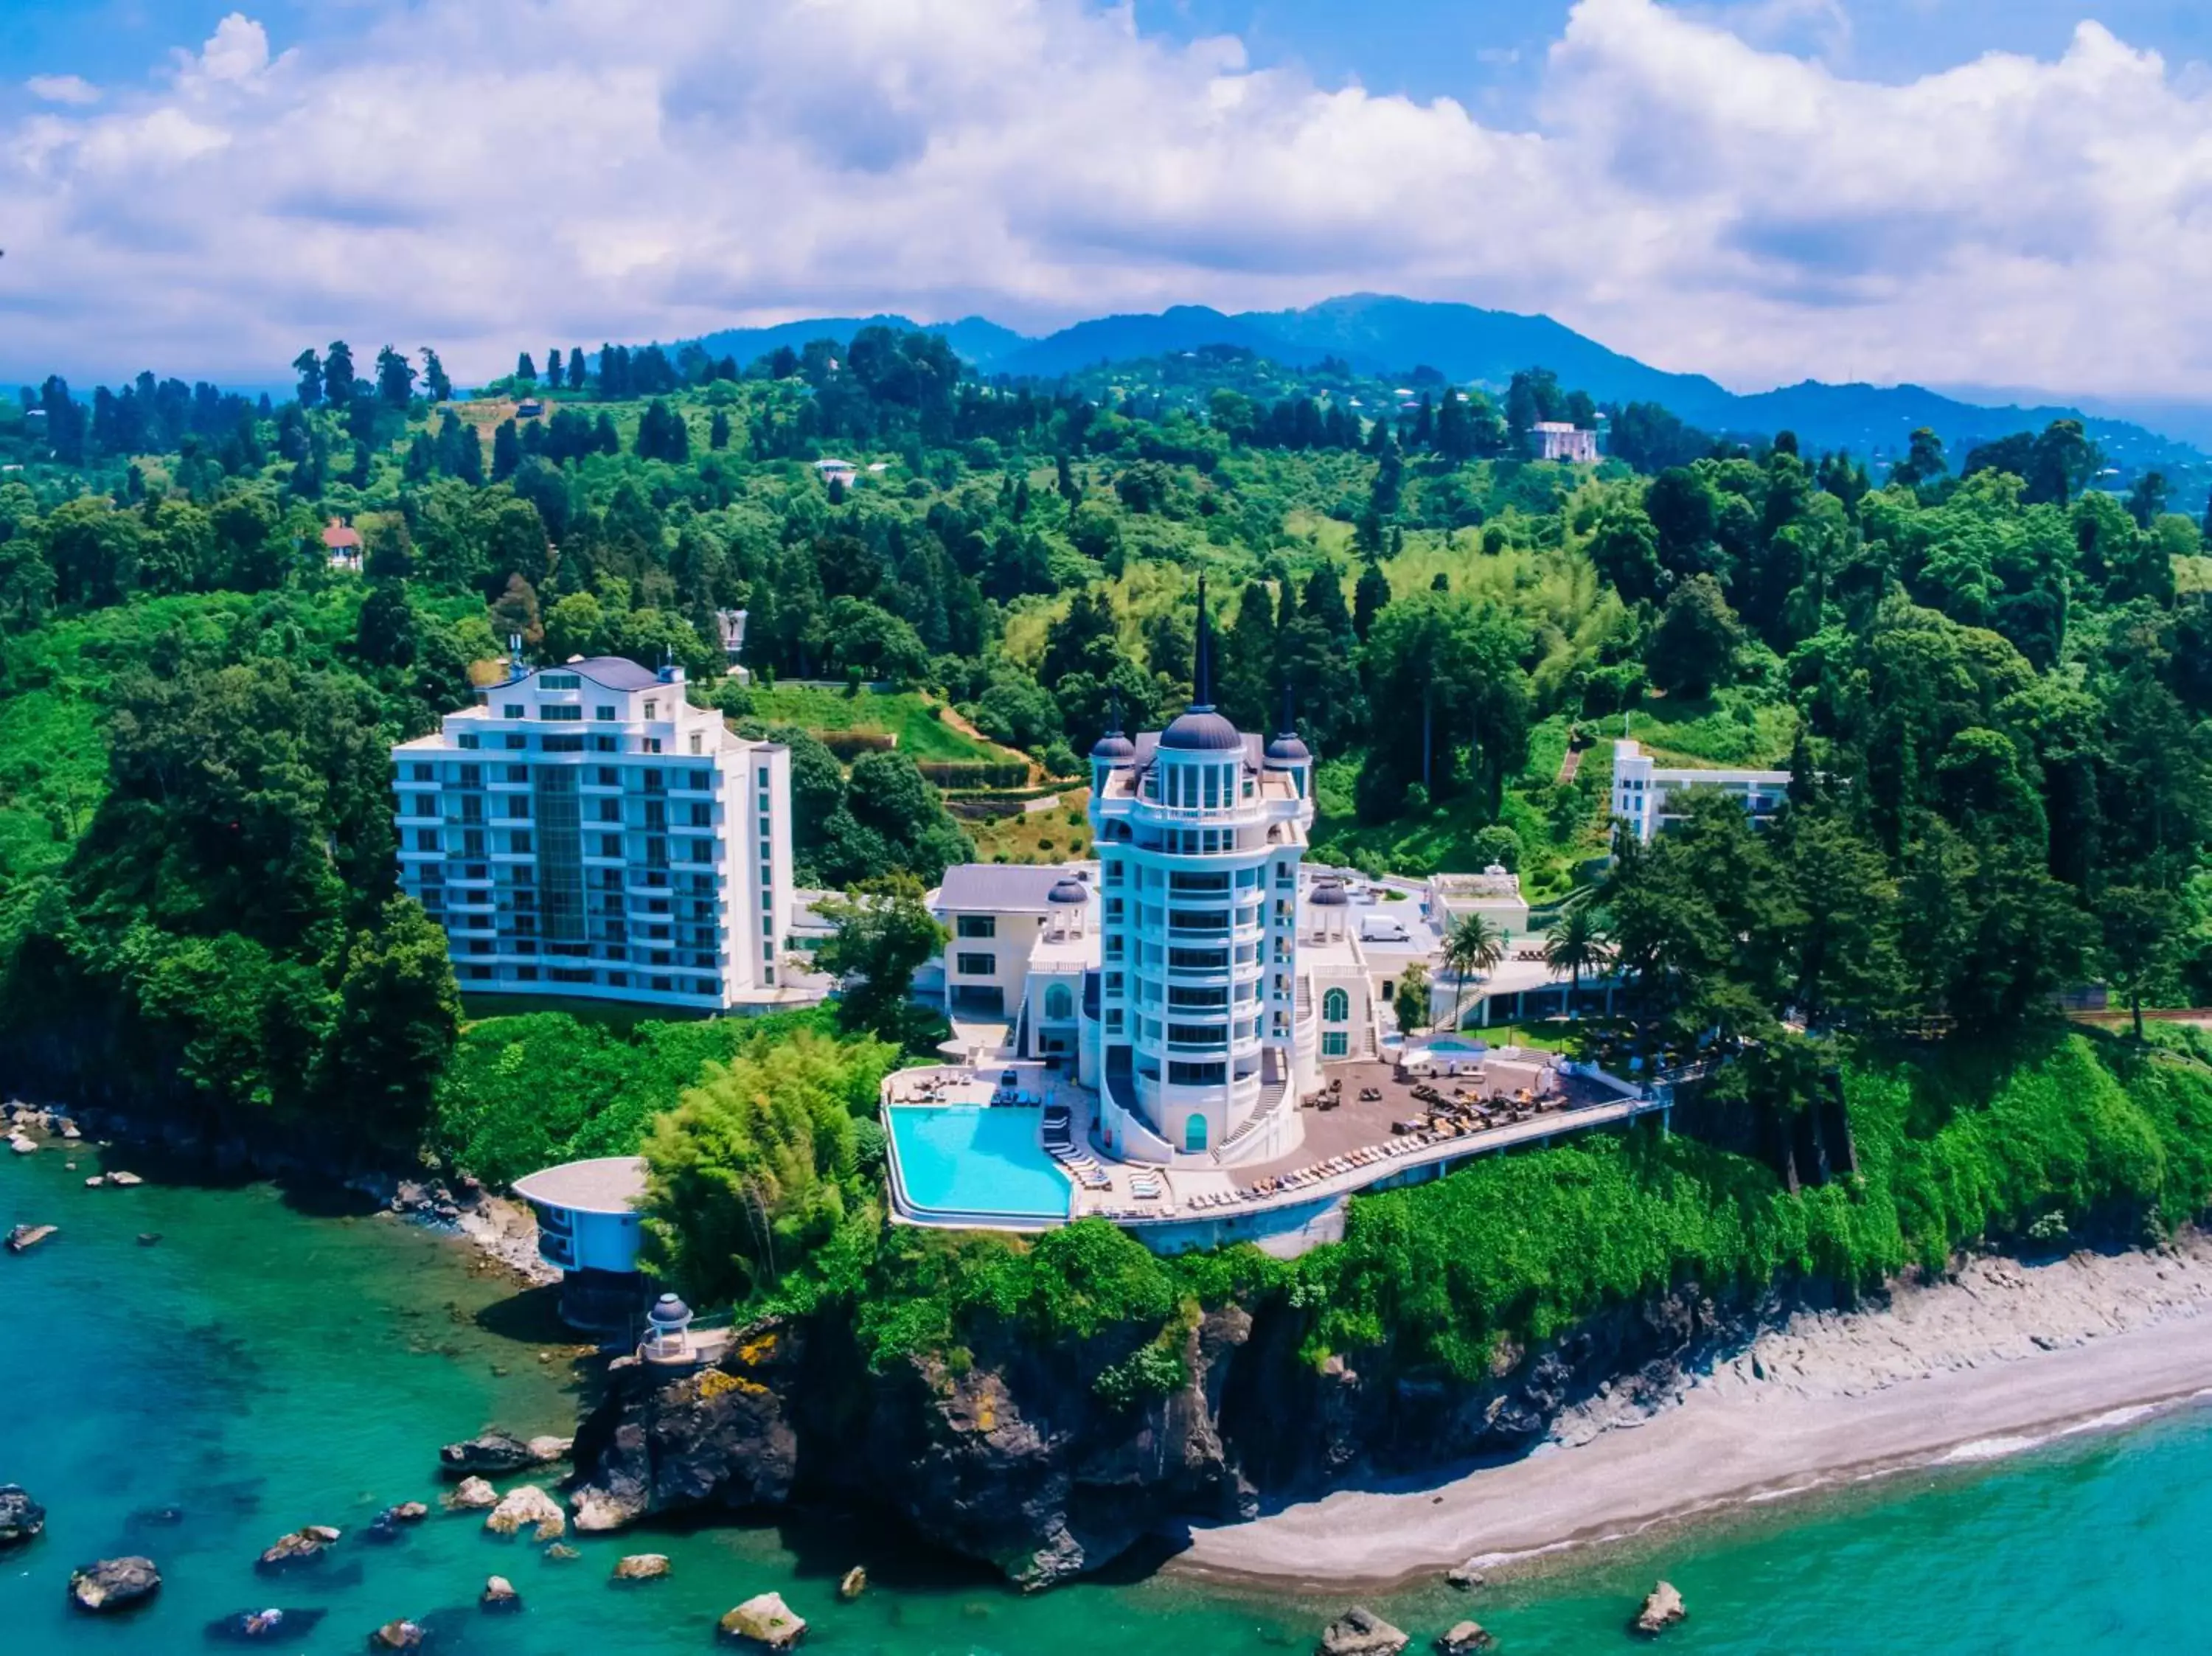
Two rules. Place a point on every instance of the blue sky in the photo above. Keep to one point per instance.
(1760, 190)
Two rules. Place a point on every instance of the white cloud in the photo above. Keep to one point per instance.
(63, 88)
(491, 174)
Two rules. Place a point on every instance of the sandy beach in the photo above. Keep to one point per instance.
(2002, 1357)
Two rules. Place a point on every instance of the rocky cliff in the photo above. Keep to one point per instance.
(1015, 1452)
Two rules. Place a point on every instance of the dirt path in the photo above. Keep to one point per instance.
(947, 714)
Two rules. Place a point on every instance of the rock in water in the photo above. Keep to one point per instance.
(492, 1452)
(1361, 1632)
(407, 1512)
(399, 1635)
(765, 1620)
(21, 1144)
(113, 1584)
(301, 1546)
(560, 1552)
(1464, 1639)
(25, 1237)
(21, 1517)
(1661, 1610)
(546, 1450)
(472, 1495)
(250, 1626)
(854, 1584)
(641, 1567)
(499, 1594)
(528, 1507)
(1466, 1576)
(150, 1238)
(124, 1180)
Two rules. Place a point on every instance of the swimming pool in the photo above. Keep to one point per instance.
(971, 1159)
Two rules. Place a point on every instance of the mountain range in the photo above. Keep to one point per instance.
(1389, 336)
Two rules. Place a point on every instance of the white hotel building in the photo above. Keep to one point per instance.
(1641, 789)
(585, 831)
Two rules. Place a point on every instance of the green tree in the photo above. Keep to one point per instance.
(397, 1016)
(1576, 944)
(1475, 945)
(1694, 646)
(1410, 1004)
(880, 937)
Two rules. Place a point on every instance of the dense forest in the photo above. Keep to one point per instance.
(1990, 678)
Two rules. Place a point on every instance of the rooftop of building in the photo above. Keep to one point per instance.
(605, 1184)
(1000, 887)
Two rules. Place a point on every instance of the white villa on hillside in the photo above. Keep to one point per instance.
(1562, 440)
(583, 830)
(1641, 789)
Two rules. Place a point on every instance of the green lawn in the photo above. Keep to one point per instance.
(903, 714)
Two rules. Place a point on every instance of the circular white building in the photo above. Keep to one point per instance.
(589, 1224)
(1206, 1034)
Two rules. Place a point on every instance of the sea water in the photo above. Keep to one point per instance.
(264, 1367)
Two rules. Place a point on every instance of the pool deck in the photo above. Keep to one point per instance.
(1348, 1148)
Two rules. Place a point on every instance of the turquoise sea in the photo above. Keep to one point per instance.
(262, 1368)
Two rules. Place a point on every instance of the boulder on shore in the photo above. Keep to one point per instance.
(21, 1144)
(765, 1620)
(302, 1546)
(1465, 1576)
(21, 1517)
(1464, 1639)
(544, 1451)
(472, 1495)
(1662, 1608)
(641, 1567)
(1361, 1632)
(854, 1584)
(23, 1237)
(528, 1507)
(113, 1584)
(399, 1635)
(499, 1595)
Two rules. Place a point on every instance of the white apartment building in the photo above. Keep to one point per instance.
(583, 830)
(1641, 789)
(1561, 440)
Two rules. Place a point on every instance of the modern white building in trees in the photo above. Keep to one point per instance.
(1642, 790)
(583, 830)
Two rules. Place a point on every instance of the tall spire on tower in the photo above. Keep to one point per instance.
(1201, 689)
(1288, 728)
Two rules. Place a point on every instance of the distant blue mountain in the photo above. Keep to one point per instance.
(1382, 335)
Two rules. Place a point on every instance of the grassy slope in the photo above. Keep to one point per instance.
(908, 716)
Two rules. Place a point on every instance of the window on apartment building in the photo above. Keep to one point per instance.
(510, 710)
(976, 966)
(521, 844)
(559, 681)
(651, 708)
(468, 740)
(979, 925)
(1059, 1003)
(1336, 1006)
(561, 715)
(602, 744)
(702, 814)
(516, 741)
(603, 713)
(1335, 1043)
(697, 741)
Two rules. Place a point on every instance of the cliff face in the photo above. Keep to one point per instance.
(1018, 1455)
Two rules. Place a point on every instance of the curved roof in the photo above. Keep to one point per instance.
(1113, 745)
(1201, 730)
(1287, 749)
(669, 1309)
(613, 673)
(1069, 890)
(606, 1183)
(1328, 894)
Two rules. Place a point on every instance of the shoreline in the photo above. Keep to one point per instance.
(1998, 1360)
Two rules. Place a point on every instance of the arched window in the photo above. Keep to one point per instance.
(1193, 1134)
(1336, 1006)
(1058, 1003)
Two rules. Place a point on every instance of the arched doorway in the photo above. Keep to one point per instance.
(1193, 1136)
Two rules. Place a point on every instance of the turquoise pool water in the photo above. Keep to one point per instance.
(969, 1158)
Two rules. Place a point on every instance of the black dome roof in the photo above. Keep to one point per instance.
(1113, 745)
(1069, 890)
(1288, 748)
(669, 1309)
(1201, 730)
(1329, 894)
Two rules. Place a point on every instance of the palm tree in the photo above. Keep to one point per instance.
(1475, 945)
(1575, 944)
